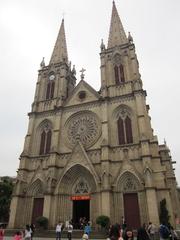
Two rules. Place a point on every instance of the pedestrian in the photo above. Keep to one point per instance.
(151, 230)
(69, 230)
(1, 232)
(87, 229)
(115, 232)
(18, 236)
(142, 233)
(164, 232)
(32, 226)
(85, 236)
(128, 234)
(27, 233)
(58, 231)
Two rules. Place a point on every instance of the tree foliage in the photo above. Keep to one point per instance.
(6, 188)
(42, 222)
(164, 214)
(103, 221)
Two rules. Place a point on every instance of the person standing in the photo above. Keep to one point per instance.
(87, 229)
(128, 235)
(27, 233)
(32, 226)
(151, 230)
(164, 231)
(142, 233)
(58, 231)
(1, 232)
(69, 231)
(18, 236)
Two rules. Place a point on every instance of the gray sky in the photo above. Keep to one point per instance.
(28, 33)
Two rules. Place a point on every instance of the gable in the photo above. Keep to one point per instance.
(82, 93)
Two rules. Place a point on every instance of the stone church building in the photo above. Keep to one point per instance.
(89, 153)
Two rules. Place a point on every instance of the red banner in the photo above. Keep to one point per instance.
(85, 197)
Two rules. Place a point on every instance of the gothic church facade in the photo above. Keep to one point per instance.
(89, 153)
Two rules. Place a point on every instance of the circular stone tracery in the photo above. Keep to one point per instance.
(84, 127)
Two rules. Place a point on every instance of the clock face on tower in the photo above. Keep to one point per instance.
(83, 127)
(52, 77)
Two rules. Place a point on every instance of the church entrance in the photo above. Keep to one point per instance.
(37, 208)
(81, 209)
(131, 210)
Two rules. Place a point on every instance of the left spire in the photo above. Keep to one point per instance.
(60, 49)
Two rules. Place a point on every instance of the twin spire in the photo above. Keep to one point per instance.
(117, 37)
(117, 34)
(60, 53)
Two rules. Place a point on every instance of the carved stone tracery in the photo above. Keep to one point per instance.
(84, 127)
(81, 187)
(129, 185)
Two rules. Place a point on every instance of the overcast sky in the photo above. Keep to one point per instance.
(28, 30)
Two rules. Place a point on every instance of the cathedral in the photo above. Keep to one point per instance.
(89, 153)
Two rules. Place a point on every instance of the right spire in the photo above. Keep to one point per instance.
(117, 34)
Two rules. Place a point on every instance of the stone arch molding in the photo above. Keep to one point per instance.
(72, 177)
(128, 182)
(122, 111)
(45, 124)
(117, 58)
(36, 188)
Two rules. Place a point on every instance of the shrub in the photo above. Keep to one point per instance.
(42, 222)
(103, 221)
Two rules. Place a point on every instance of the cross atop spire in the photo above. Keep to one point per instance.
(60, 49)
(117, 34)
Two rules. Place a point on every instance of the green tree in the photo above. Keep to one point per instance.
(42, 222)
(103, 221)
(164, 215)
(6, 187)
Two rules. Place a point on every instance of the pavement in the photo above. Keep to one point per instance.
(40, 238)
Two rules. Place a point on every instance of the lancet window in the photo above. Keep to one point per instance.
(119, 73)
(50, 90)
(45, 140)
(124, 127)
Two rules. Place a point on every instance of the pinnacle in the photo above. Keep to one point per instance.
(117, 34)
(60, 49)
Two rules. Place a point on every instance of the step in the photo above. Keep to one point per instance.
(51, 234)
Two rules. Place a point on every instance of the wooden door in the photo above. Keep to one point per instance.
(37, 208)
(131, 210)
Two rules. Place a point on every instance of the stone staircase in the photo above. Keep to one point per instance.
(77, 234)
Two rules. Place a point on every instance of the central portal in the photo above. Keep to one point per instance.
(80, 210)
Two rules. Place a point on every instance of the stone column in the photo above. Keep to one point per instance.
(105, 203)
(47, 205)
(152, 206)
(13, 212)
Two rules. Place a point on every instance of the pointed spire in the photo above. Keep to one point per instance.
(60, 49)
(117, 34)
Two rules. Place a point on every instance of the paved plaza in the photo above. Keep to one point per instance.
(41, 238)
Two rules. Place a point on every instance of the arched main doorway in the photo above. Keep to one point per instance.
(129, 186)
(78, 188)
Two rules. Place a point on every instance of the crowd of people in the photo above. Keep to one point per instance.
(145, 232)
(83, 224)
(26, 234)
(115, 232)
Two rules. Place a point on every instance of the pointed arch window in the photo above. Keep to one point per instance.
(121, 131)
(45, 143)
(124, 130)
(128, 128)
(50, 90)
(119, 73)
